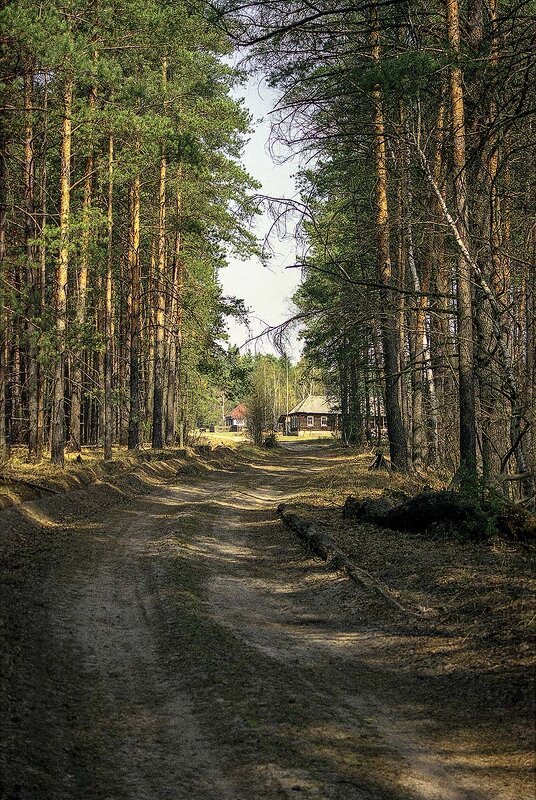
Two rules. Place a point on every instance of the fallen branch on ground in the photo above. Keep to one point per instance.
(319, 543)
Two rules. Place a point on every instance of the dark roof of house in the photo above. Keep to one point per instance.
(314, 404)
(239, 412)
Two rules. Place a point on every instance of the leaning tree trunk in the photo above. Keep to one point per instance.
(58, 410)
(397, 435)
(503, 357)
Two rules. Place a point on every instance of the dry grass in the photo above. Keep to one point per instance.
(22, 480)
(481, 595)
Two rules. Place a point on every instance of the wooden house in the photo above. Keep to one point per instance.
(236, 419)
(314, 415)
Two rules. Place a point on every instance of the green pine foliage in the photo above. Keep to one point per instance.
(116, 52)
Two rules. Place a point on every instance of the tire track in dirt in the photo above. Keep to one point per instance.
(260, 600)
(160, 750)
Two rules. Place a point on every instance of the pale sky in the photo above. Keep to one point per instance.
(267, 291)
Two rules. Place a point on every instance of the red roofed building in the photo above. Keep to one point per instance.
(236, 419)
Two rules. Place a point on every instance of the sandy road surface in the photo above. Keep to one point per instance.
(182, 646)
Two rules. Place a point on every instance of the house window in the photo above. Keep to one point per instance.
(294, 423)
(310, 421)
(323, 422)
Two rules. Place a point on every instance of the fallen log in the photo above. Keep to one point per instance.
(323, 546)
(315, 540)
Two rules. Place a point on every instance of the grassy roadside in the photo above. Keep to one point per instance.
(482, 594)
(22, 481)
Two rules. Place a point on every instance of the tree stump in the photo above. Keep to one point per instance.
(380, 462)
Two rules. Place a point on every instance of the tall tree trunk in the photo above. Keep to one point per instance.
(160, 287)
(397, 436)
(158, 372)
(41, 385)
(122, 352)
(135, 289)
(424, 422)
(4, 442)
(149, 311)
(15, 376)
(81, 298)
(500, 282)
(32, 275)
(58, 409)
(436, 273)
(174, 313)
(108, 308)
(468, 465)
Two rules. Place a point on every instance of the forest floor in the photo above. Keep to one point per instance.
(164, 635)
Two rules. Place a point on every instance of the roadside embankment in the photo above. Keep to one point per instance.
(21, 482)
(31, 514)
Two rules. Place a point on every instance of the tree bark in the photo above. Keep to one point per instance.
(158, 375)
(158, 372)
(58, 409)
(40, 421)
(108, 309)
(4, 442)
(4, 140)
(468, 463)
(81, 298)
(436, 272)
(397, 435)
(32, 267)
(175, 312)
(135, 289)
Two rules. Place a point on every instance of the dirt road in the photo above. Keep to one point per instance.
(181, 645)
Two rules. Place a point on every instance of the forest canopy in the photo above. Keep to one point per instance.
(416, 126)
(122, 195)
